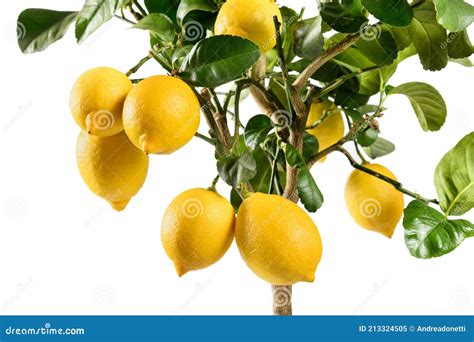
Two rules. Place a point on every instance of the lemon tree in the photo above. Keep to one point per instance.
(320, 83)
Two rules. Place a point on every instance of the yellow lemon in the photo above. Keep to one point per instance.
(277, 239)
(96, 100)
(112, 167)
(374, 204)
(161, 114)
(197, 229)
(251, 19)
(329, 131)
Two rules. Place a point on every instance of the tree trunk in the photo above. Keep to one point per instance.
(281, 300)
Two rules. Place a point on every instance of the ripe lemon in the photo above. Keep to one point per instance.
(374, 204)
(277, 239)
(96, 100)
(112, 167)
(197, 229)
(331, 130)
(161, 114)
(251, 19)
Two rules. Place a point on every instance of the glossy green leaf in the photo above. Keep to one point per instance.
(308, 191)
(158, 24)
(454, 178)
(257, 130)
(39, 28)
(392, 12)
(466, 62)
(429, 37)
(427, 102)
(93, 15)
(381, 50)
(166, 7)
(308, 38)
(400, 34)
(380, 148)
(188, 6)
(310, 146)
(343, 15)
(454, 15)
(429, 234)
(459, 45)
(235, 170)
(218, 60)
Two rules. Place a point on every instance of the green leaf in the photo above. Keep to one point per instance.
(466, 62)
(179, 54)
(429, 36)
(400, 34)
(158, 24)
(427, 103)
(429, 234)
(459, 45)
(218, 60)
(308, 190)
(379, 148)
(188, 6)
(454, 15)
(39, 28)
(454, 178)
(310, 146)
(381, 50)
(392, 12)
(94, 14)
(372, 81)
(257, 130)
(289, 17)
(308, 38)
(343, 15)
(235, 170)
(166, 7)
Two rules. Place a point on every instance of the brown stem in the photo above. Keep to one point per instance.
(282, 300)
(342, 46)
(257, 74)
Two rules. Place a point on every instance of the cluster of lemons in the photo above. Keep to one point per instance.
(122, 124)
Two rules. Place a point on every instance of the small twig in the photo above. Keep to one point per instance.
(216, 101)
(238, 90)
(156, 55)
(274, 169)
(206, 139)
(326, 115)
(140, 8)
(124, 19)
(139, 64)
(397, 185)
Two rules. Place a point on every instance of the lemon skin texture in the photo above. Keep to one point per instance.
(197, 229)
(374, 204)
(277, 239)
(112, 167)
(161, 114)
(250, 19)
(331, 130)
(96, 100)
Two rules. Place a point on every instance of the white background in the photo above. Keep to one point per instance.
(65, 251)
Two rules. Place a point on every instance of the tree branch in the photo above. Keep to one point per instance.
(342, 46)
